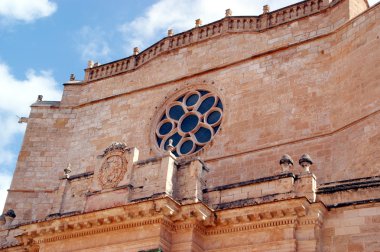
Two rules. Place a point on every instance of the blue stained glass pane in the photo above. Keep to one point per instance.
(165, 128)
(180, 99)
(206, 105)
(175, 153)
(176, 138)
(186, 147)
(213, 117)
(219, 105)
(163, 117)
(192, 99)
(189, 123)
(216, 128)
(203, 92)
(159, 140)
(197, 148)
(176, 112)
(203, 135)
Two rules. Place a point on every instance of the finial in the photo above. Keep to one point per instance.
(72, 77)
(10, 213)
(136, 51)
(170, 32)
(39, 98)
(90, 64)
(198, 22)
(286, 163)
(228, 13)
(305, 161)
(8, 217)
(170, 147)
(67, 171)
(265, 8)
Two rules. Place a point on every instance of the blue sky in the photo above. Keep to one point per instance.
(43, 41)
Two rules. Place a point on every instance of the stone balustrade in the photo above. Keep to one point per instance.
(229, 24)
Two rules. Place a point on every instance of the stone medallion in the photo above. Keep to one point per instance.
(114, 166)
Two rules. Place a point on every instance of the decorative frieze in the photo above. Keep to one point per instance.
(176, 218)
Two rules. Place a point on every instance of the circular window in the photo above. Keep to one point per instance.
(190, 121)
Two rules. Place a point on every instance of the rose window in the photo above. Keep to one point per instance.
(191, 121)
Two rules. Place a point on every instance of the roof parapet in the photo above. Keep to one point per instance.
(229, 24)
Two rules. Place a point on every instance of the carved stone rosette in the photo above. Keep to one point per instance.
(114, 166)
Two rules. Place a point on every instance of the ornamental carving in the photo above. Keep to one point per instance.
(190, 121)
(113, 167)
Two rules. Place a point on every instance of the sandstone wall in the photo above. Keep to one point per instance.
(354, 228)
(307, 86)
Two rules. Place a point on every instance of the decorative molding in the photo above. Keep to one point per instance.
(250, 182)
(257, 225)
(354, 203)
(81, 175)
(98, 230)
(176, 218)
(345, 185)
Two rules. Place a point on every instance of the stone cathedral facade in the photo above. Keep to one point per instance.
(251, 133)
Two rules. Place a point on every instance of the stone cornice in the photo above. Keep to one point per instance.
(91, 231)
(253, 225)
(345, 185)
(250, 182)
(230, 24)
(175, 217)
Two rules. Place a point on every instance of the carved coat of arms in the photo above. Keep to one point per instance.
(114, 166)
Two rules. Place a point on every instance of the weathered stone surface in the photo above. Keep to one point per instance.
(303, 79)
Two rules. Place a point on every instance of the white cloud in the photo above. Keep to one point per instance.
(26, 10)
(92, 44)
(5, 182)
(15, 98)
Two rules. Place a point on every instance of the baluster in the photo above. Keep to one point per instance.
(307, 8)
(273, 19)
(299, 11)
(127, 65)
(291, 13)
(313, 6)
(251, 24)
(320, 4)
(230, 24)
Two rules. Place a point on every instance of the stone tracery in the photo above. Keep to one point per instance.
(190, 121)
